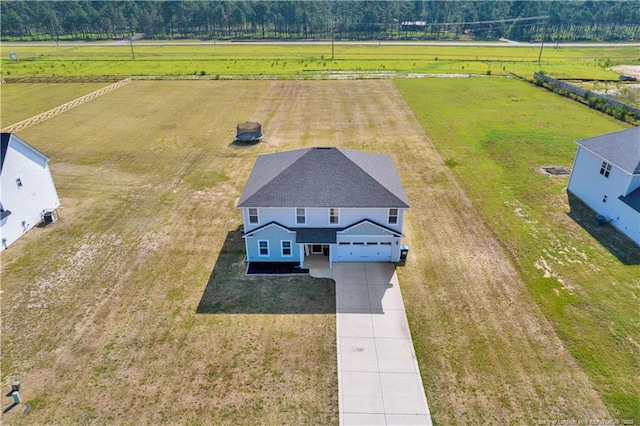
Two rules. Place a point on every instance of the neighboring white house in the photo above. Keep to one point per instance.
(347, 205)
(606, 176)
(28, 191)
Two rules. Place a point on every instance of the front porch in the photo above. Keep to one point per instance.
(316, 261)
(315, 245)
(318, 255)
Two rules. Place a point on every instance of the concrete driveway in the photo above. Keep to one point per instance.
(378, 377)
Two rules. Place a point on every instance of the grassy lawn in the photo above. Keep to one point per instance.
(20, 102)
(310, 59)
(585, 280)
(132, 308)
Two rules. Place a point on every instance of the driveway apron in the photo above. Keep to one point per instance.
(378, 377)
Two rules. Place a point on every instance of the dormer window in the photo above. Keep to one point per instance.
(253, 215)
(605, 169)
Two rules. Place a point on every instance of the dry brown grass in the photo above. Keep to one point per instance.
(99, 310)
(104, 301)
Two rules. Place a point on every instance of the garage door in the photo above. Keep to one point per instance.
(364, 251)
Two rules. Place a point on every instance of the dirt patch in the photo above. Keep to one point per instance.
(630, 70)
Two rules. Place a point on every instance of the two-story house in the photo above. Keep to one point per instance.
(347, 205)
(606, 176)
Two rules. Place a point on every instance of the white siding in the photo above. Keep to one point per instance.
(27, 202)
(628, 221)
(590, 186)
(633, 184)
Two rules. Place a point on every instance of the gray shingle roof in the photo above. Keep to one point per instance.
(620, 148)
(316, 235)
(4, 146)
(324, 177)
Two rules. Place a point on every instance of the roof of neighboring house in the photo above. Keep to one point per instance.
(5, 138)
(324, 177)
(632, 199)
(620, 148)
(4, 145)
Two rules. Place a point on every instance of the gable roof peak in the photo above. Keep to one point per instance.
(6, 139)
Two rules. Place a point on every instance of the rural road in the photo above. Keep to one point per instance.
(502, 43)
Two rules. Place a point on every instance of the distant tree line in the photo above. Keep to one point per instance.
(305, 19)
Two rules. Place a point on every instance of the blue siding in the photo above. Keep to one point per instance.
(274, 235)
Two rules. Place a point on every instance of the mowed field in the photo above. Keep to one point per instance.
(307, 60)
(133, 307)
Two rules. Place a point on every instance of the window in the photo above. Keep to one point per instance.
(393, 216)
(344, 243)
(286, 248)
(253, 215)
(386, 243)
(19, 182)
(301, 217)
(263, 245)
(605, 169)
(333, 216)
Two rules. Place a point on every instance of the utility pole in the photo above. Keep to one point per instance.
(333, 39)
(133, 55)
(544, 33)
(54, 33)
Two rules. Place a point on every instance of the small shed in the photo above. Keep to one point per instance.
(249, 131)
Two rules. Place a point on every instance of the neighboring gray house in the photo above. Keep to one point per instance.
(28, 191)
(606, 176)
(348, 205)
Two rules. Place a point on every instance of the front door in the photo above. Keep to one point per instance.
(316, 248)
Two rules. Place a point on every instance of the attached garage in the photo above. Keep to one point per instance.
(364, 251)
(367, 241)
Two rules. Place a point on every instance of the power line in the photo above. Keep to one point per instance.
(497, 21)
